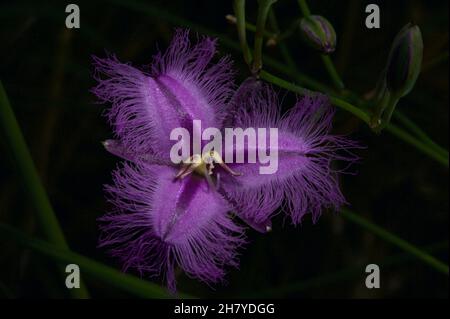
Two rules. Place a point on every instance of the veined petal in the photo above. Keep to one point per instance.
(116, 148)
(182, 86)
(212, 84)
(161, 222)
(305, 180)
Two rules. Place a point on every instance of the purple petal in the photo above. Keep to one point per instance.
(183, 86)
(305, 180)
(116, 148)
(161, 222)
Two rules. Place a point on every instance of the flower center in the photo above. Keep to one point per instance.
(203, 165)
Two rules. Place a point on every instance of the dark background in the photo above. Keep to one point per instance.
(46, 70)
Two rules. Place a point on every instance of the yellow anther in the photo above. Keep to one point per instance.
(203, 165)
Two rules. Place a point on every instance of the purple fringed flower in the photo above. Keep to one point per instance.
(169, 215)
(305, 181)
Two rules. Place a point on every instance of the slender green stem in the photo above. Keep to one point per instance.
(414, 128)
(402, 118)
(239, 11)
(422, 142)
(396, 131)
(91, 268)
(395, 240)
(350, 108)
(300, 78)
(380, 107)
(393, 101)
(304, 8)
(293, 27)
(263, 11)
(300, 90)
(275, 27)
(329, 66)
(286, 69)
(30, 179)
(284, 84)
(249, 26)
(287, 56)
(283, 48)
(338, 276)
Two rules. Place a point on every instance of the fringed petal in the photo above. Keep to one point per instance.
(183, 85)
(212, 85)
(160, 223)
(305, 180)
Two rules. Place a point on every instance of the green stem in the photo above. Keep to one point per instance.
(300, 90)
(263, 11)
(376, 121)
(300, 78)
(279, 36)
(304, 8)
(350, 108)
(31, 181)
(284, 84)
(287, 68)
(396, 131)
(329, 66)
(249, 26)
(283, 48)
(393, 101)
(291, 29)
(414, 128)
(92, 268)
(239, 11)
(395, 240)
(338, 276)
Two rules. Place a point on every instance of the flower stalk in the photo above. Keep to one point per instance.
(249, 26)
(361, 114)
(263, 11)
(239, 11)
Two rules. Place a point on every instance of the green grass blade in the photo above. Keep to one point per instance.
(395, 240)
(89, 267)
(30, 179)
(338, 276)
(414, 128)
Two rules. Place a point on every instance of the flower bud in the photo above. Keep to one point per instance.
(405, 60)
(318, 33)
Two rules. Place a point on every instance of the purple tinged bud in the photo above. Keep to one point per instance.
(405, 60)
(318, 33)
